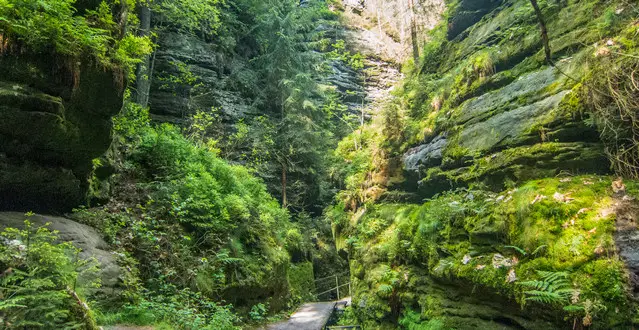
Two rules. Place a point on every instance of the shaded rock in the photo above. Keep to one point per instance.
(347, 82)
(54, 120)
(182, 55)
(485, 105)
(508, 128)
(467, 13)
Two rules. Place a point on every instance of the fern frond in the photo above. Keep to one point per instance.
(545, 297)
(518, 249)
(538, 249)
(537, 285)
(552, 288)
(573, 308)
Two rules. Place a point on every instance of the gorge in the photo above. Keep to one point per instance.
(206, 164)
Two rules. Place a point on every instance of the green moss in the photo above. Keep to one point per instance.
(554, 224)
(301, 281)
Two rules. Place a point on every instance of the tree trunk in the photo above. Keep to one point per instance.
(143, 72)
(544, 31)
(413, 31)
(284, 201)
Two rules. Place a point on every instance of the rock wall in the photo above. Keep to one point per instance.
(484, 110)
(191, 74)
(55, 118)
(389, 24)
(497, 112)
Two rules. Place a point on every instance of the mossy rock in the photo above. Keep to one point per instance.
(55, 119)
(468, 12)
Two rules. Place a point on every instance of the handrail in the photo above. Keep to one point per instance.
(335, 288)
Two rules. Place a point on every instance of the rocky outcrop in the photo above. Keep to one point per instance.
(388, 25)
(507, 116)
(81, 236)
(190, 74)
(466, 13)
(55, 118)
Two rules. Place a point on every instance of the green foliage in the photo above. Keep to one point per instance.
(45, 26)
(181, 309)
(339, 52)
(551, 288)
(411, 320)
(39, 281)
(302, 282)
(258, 312)
(189, 222)
(195, 16)
(396, 248)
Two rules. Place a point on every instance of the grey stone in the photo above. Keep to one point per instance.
(425, 155)
(81, 236)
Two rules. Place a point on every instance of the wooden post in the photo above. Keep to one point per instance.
(337, 285)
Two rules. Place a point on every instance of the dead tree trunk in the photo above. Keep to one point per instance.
(544, 31)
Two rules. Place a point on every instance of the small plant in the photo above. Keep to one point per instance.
(525, 254)
(551, 288)
(39, 285)
(258, 312)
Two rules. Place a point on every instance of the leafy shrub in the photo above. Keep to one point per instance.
(39, 282)
(56, 26)
(179, 309)
(258, 312)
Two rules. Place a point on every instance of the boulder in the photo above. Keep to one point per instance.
(81, 236)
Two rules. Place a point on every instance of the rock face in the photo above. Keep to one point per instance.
(55, 118)
(468, 12)
(390, 22)
(190, 74)
(510, 117)
(83, 237)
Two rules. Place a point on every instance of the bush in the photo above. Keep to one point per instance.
(54, 25)
(39, 281)
(181, 309)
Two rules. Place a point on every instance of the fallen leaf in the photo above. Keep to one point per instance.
(537, 199)
(562, 198)
(511, 277)
(480, 267)
(618, 186)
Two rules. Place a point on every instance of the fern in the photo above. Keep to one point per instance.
(539, 249)
(552, 288)
(518, 249)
